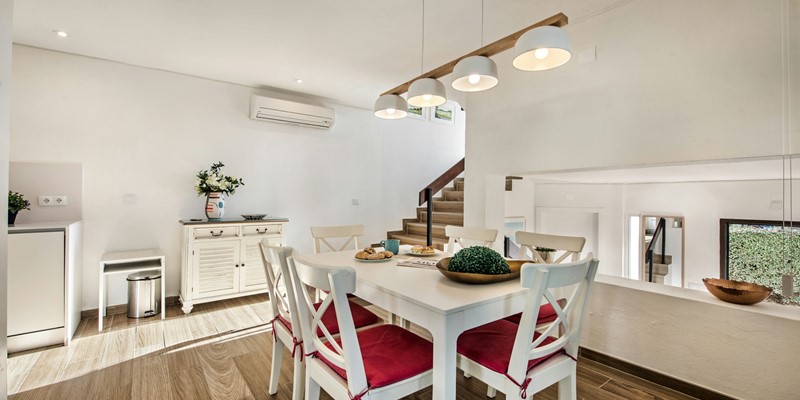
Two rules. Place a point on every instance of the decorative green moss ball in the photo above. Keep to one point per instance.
(479, 260)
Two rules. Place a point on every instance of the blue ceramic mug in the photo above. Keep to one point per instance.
(392, 245)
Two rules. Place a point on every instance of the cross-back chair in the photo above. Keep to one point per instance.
(349, 233)
(464, 237)
(286, 323)
(384, 362)
(522, 361)
(572, 246)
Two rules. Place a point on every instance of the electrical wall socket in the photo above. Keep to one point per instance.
(47, 201)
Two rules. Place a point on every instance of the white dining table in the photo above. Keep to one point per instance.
(425, 297)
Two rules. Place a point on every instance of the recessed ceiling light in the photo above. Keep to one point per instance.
(298, 80)
(60, 33)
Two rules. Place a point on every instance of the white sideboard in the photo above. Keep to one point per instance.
(44, 284)
(221, 259)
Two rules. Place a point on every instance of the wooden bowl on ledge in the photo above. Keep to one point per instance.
(737, 292)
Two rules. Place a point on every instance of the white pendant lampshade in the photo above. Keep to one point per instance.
(427, 92)
(391, 106)
(542, 48)
(473, 74)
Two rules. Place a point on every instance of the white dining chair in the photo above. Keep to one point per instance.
(285, 322)
(520, 360)
(324, 235)
(464, 237)
(384, 362)
(570, 246)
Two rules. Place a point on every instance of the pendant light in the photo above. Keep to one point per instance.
(542, 48)
(476, 73)
(391, 106)
(426, 92)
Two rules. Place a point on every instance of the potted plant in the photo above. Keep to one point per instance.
(546, 254)
(16, 203)
(215, 185)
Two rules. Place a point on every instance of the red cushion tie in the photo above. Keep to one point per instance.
(295, 345)
(313, 354)
(274, 335)
(358, 396)
(523, 388)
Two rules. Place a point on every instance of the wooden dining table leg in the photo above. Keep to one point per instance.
(445, 334)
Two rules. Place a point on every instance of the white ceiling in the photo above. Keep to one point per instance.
(346, 50)
(730, 170)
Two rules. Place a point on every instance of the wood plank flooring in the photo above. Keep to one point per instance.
(220, 351)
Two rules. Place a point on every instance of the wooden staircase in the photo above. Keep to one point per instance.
(448, 209)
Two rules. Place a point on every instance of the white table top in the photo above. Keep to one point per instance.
(425, 287)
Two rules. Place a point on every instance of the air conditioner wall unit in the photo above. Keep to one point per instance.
(291, 112)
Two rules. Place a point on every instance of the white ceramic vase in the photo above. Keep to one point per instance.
(215, 205)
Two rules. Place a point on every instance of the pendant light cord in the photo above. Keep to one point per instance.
(422, 52)
(482, 9)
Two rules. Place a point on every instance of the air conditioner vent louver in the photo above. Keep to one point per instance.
(290, 112)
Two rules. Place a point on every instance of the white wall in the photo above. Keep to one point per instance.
(147, 132)
(671, 83)
(606, 200)
(6, 11)
(703, 204)
(46, 179)
(746, 352)
(519, 202)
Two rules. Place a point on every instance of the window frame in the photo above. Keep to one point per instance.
(724, 237)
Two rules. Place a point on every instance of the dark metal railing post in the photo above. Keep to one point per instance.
(661, 233)
(429, 199)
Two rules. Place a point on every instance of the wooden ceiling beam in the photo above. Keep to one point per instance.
(489, 50)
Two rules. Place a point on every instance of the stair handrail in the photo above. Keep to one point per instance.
(426, 194)
(648, 255)
(441, 181)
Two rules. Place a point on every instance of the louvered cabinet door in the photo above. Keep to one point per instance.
(251, 274)
(216, 270)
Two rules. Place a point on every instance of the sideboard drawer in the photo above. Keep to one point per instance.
(255, 230)
(216, 232)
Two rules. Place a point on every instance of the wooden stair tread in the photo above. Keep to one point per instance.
(419, 240)
(425, 224)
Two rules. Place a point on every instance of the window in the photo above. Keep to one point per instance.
(761, 252)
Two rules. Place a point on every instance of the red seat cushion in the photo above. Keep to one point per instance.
(361, 317)
(546, 314)
(490, 345)
(391, 354)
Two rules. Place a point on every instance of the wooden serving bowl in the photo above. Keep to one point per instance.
(736, 291)
(464, 277)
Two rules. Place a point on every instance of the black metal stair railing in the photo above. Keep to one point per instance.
(426, 194)
(648, 255)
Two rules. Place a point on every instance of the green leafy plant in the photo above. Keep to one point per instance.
(214, 180)
(762, 254)
(545, 249)
(479, 260)
(17, 202)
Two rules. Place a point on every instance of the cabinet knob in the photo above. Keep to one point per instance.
(216, 234)
(237, 265)
(243, 264)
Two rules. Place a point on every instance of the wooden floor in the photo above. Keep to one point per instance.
(219, 351)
